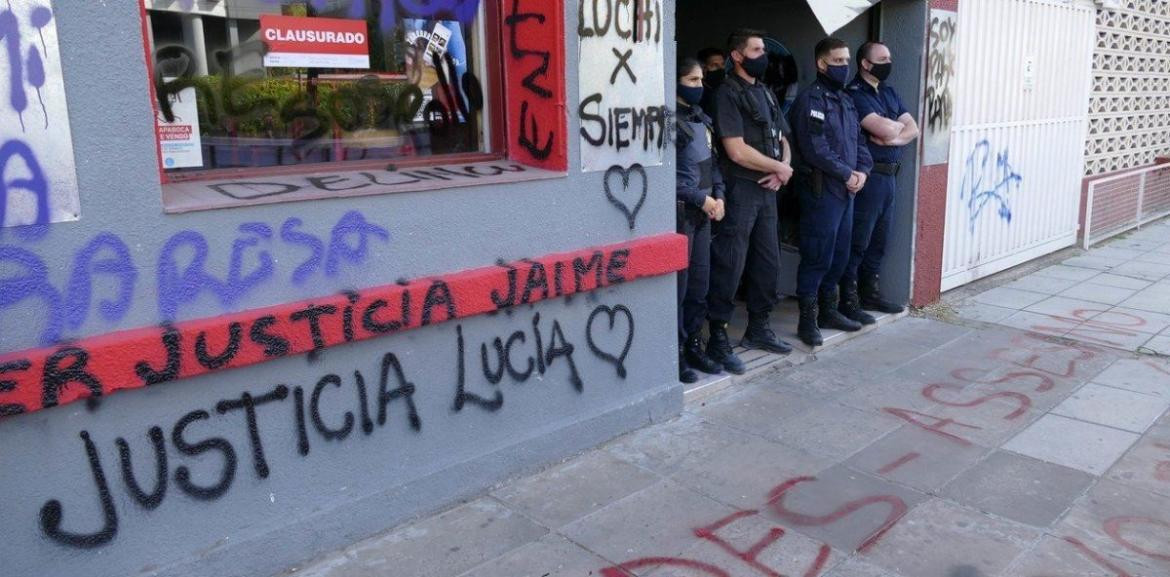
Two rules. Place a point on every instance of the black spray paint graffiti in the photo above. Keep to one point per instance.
(210, 464)
(623, 204)
(940, 74)
(390, 177)
(529, 133)
(621, 127)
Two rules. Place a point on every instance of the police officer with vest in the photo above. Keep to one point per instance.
(756, 163)
(888, 127)
(833, 164)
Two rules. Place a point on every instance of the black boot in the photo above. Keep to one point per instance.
(850, 304)
(697, 358)
(870, 292)
(685, 373)
(830, 317)
(719, 349)
(760, 336)
(807, 328)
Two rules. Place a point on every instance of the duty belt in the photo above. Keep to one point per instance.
(887, 168)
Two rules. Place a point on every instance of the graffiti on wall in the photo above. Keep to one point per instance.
(322, 411)
(622, 87)
(98, 366)
(103, 275)
(940, 87)
(38, 177)
(989, 183)
(534, 71)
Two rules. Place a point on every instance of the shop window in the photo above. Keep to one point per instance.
(257, 93)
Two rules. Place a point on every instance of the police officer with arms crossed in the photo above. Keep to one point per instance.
(889, 127)
(756, 164)
(833, 165)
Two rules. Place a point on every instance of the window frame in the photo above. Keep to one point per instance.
(490, 73)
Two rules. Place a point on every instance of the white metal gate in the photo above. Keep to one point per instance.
(1022, 82)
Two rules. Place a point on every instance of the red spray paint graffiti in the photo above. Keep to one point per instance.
(42, 378)
(535, 83)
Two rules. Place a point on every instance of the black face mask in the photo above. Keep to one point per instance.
(756, 67)
(714, 77)
(881, 71)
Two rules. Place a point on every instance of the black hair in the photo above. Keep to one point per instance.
(686, 65)
(708, 52)
(824, 47)
(866, 49)
(739, 39)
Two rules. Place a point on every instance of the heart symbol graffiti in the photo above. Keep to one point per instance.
(631, 215)
(618, 361)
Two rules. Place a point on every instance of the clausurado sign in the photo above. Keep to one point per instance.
(315, 42)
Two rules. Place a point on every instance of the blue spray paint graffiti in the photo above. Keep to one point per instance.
(24, 72)
(39, 17)
(106, 265)
(987, 180)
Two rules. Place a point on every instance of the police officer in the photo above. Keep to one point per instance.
(756, 164)
(833, 165)
(699, 189)
(714, 63)
(888, 127)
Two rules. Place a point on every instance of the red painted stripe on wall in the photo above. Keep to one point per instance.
(37, 379)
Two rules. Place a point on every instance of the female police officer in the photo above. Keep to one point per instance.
(699, 191)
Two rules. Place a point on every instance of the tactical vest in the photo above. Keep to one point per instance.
(760, 131)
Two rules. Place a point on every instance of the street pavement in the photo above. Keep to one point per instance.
(1022, 434)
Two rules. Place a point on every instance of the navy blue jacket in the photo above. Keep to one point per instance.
(828, 136)
(884, 102)
(697, 172)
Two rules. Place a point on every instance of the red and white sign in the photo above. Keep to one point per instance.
(314, 42)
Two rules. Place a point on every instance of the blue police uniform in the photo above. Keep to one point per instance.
(697, 177)
(829, 148)
(873, 209)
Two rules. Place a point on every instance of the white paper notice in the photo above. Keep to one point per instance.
(38, 174)
(623, 103)
(181, 144)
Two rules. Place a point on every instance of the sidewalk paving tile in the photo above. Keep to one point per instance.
(1085, 446)
(742, 475)
(432, 547)
(551, 556)
(1019, 488)
(1154, 257)
(1059, 558)
(1143, 375)
(842, 507)
(1117, 408)
(1100, 263)
(1125, 282)
(943, 539)
(570, 491)
(918, 458)
(755, 410)
(1040, 323)
(1070, 308)
(1118, 521)
(1008, 298)
(975, 311)
(1068, 272)
(1143, 270)
(1159, 345)
(783, 552)
(835, 431)
(666, 449)
(855, 567)
(1137, 321)
(658, 521)
(1154, 300)
(1097, 293)
(1147, 465)
(1039, 283)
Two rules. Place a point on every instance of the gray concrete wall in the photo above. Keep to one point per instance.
(343, 489)
(703, 23)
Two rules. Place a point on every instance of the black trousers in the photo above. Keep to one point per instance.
(745, 241)
(873, 218)
(694, 281)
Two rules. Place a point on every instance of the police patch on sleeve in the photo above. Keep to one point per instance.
(817, 115)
